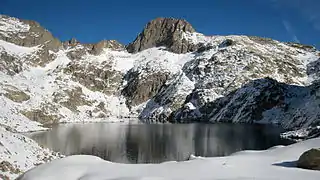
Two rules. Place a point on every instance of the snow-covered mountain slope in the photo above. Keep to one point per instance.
(49, 94)
(219, 71)
(19, 153)
(171, 68)
(274, 163)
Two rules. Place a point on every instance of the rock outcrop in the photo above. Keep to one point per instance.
(140, 89)
(110, 44)
(77, 49)
(310, 160)
(15, 94)
(167, 32)
(27, 33)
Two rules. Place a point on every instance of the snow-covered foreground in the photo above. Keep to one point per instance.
(19, 153)
(274, 163)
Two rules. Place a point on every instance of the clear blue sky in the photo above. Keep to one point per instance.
(94, 20)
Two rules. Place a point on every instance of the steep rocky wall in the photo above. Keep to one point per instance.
(261, 101)
(141, 88)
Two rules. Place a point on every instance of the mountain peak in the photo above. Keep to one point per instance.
(161, 31)
(171, 24)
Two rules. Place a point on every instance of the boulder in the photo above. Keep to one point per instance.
(310, 159)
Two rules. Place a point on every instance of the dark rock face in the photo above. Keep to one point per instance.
(140, 89)
(203, 47)
(187, 114)
(313, 69)
(252, 100)
(262, 100)
(164, 32)
(310, 160)
(226, 43)
(243, 105)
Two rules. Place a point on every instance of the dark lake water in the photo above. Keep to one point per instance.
(155, 143)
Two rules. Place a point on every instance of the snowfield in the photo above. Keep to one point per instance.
(274, 163)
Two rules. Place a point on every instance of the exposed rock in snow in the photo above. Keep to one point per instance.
(310, 159)
(275, 163)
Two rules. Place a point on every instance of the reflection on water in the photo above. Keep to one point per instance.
(154, 143)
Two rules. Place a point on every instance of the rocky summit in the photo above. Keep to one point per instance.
(169, 73)
(166, 32)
